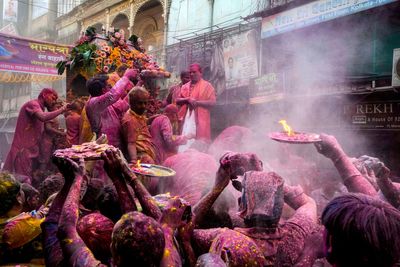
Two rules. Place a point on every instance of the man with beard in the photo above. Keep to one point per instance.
(24, 152)
(134, 128)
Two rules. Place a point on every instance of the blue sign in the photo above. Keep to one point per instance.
(314, 13)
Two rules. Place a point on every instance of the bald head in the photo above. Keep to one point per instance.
(138, 98)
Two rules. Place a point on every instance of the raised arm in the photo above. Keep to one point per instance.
(52, 247)
(130, 136)
(231, 165)
(117, 91)
(303, 205)
(352, 178)
(75, 251)
(147, 202)
(112, 165)
(388, 189)
(46, 116)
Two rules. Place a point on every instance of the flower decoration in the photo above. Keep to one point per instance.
(89, 59)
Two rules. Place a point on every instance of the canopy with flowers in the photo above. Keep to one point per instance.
(105, 53)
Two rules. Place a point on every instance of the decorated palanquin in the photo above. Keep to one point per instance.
(105, 53)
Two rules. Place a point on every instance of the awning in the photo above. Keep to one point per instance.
(15, 77)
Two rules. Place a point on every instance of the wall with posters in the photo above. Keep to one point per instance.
(240, 59)
(10, 10)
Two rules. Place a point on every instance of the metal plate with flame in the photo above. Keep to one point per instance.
(296, 138)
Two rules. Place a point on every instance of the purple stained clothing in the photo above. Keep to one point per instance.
(25, 146)
(164, 140)
(111, 122)
(100, 107)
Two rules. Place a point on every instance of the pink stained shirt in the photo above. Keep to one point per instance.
(72, 122)
(164, 141)
(99, 104)
(25, 145)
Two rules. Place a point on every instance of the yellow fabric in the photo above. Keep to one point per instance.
(21, 230)
(85, 130)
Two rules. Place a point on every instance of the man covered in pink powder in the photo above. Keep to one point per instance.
(161, 131)
(106, 105)
(24, 153)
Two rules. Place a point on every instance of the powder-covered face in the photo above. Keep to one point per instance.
(50, 100)
(139, 103)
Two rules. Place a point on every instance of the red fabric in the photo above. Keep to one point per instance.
(201, 91)
(25, 146)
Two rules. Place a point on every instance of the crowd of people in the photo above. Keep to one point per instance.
(224, 207)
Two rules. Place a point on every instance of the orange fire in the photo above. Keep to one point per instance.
(288, 130)
(138, 164)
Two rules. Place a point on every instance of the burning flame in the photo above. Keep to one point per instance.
(138, 164)
(288, 130)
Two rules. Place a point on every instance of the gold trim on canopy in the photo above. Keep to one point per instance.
(15, 77)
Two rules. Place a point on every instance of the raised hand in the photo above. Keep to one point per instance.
(176, 213)
(69, 168)
(235, 164)
(113, 160)
(131, 74)
(329, 146)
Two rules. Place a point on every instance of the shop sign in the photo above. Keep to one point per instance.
(314, 13)
(267, 88)
(373, 115)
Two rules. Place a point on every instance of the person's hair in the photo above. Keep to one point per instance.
(135, 92)
(171, 109)
(197, 65)
(362, 231)
(52, 184)
(184, 73)
(95, 230)
(93, 190)
(77, 105)
(96, 84)
(47, 91)
(108, 203)
(134, 242)
(9, 190)
(122, 69)
(30, 192)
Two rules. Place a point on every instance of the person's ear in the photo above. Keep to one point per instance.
(329, 251)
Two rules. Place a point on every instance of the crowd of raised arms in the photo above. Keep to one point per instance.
(227, 205)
